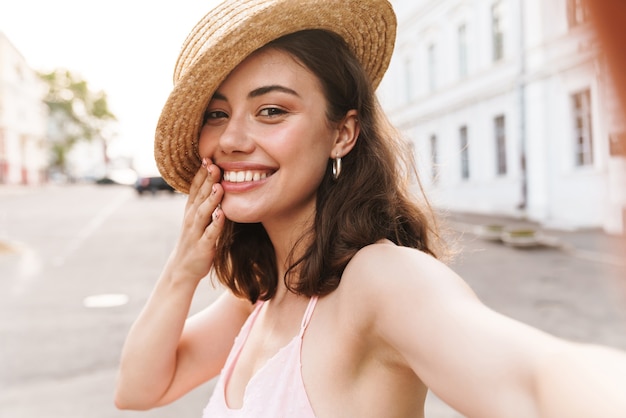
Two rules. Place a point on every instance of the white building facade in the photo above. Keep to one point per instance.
(509, 109)
(23, 120)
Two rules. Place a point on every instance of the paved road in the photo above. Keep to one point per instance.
(61, 245)
(57, 357)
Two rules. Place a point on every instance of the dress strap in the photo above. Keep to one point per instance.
(307, 315)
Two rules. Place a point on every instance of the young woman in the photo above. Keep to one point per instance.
(301, 205)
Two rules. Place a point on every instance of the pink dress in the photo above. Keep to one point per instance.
(276, 390)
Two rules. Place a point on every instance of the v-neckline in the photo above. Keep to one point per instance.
(229, 372)
(256, 374)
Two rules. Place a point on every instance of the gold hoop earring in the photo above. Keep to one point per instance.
(336, 167)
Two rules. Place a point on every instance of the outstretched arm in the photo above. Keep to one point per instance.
(582, 381)
(480, 362)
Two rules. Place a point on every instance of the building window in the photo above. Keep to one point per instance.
(577, 12)
(432, 67)
(462, 41)
(583, 132)
(464, 144)
(497, 31)
(408, 80)
(434, 173)
(499, 124)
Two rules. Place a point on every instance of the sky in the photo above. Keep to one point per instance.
(126, 48)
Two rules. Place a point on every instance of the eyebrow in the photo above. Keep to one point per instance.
(260, 92)
(268, 89)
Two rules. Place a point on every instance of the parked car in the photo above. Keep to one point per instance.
(152, 185)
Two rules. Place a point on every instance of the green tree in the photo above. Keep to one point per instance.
(76, 114)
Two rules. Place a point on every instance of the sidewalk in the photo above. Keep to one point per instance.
(589, 243)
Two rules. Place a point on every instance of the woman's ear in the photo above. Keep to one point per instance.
(347, 134)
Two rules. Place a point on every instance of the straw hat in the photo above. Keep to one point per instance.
(231, 32)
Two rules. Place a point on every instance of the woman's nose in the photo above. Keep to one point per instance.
(236, 137)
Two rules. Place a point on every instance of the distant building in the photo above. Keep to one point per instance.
(23, 119)
(509, 109)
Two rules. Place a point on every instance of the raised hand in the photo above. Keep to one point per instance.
(203, 222)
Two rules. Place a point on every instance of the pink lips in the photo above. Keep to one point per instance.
(243, 176)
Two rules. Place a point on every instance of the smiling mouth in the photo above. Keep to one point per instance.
(245, 176)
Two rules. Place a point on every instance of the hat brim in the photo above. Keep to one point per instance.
(234, 30)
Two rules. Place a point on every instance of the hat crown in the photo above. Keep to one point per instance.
(232, 20)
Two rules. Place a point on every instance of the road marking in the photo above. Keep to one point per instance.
(90, 228)
(108, 300)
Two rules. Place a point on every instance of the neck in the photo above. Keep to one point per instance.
(286, 238)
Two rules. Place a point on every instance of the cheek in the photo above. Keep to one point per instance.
(206, 143)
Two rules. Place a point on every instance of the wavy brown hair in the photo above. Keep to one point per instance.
(370, 201)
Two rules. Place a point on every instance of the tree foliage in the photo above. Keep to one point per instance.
(76, 114)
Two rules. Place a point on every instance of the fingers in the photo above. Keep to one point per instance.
(208, 204)
(198, 179)
(212, 231)
(205, 194)
(202, 182)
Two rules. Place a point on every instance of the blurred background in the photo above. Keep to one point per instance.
(509, 106)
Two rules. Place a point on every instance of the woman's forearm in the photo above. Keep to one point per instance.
(149, 356)
(583, 381)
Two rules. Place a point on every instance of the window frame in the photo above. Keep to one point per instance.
(464, 149)
(497, 31)
(577, 13)
(462, 46)
(434, 158)
(499, 132)
(582, 127)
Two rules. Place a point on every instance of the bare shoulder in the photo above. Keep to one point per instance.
(386, 254)
(384, 277)
(385, 266)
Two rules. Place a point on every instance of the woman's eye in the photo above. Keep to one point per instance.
(272, 111)
(210, 115)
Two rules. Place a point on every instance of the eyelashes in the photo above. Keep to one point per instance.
(269, 112)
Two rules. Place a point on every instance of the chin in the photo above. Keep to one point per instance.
(237, 214)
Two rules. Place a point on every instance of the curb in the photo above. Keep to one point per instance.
(513, 236)
(541, 240)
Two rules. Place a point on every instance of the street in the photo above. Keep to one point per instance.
(77, 264)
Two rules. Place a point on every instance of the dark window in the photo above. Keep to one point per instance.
(497, 31)
(499, 124)
(434, 159)
(464, 143)
(583, 132)
(462, 41)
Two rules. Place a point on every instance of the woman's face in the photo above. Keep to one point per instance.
(266, 128)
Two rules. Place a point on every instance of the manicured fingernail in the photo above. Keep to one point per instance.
(214, 189)
(204, 162)
(216, 214)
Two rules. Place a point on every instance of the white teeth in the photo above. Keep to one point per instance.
(243, 176)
